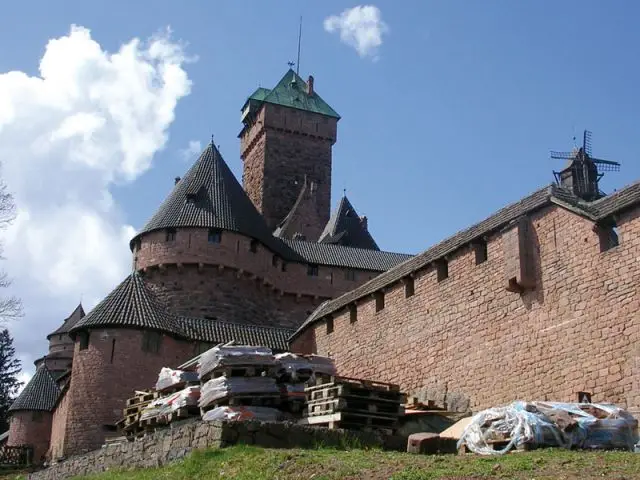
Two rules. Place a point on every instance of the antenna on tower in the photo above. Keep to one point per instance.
(299, 39)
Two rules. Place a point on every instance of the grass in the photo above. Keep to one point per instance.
(254, 463)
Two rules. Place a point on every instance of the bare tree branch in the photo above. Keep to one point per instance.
(10, 307)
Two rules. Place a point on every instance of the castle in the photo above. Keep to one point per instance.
(538, 301)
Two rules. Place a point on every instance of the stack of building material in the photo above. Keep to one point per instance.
(238, 376)
(293, 373)
(133, 409)
(170, 381)
(354, 404)
(172, 407)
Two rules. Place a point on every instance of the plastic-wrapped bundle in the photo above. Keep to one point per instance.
(234, 355)
(162, 407)
(292, 390)
(225, 387)
(239, 414)
(169, 378)
(293, 368)
(566, 425)
(322, 365)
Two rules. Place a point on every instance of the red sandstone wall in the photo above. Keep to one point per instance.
(578, 331)
(59, 427)
(100, 385)
(283, 146)
(31, 428)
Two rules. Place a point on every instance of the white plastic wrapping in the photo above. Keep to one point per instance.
(169, 378)
(322, 365)
(238, 414)
(234, 355)
(566, 425)
(162, 407)
(225, 387)
(293, 368)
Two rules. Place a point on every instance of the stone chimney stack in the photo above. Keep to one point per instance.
(310, 85)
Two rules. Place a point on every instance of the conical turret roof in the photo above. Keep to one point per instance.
(209, 196)
(345, 227)
(69, 322)
(41, 393)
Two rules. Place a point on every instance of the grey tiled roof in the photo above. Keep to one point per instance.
(210, 196)
(345, 228)
(69, 322)
(41, 393)
(597, 210)
(341, 256)
(133, 305)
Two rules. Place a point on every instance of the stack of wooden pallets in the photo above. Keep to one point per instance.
(349, 403)
(134, 406)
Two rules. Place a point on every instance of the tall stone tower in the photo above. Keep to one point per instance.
(286, 144)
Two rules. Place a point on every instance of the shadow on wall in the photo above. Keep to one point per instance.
(535, 295)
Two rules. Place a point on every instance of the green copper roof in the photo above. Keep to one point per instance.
(291, 92)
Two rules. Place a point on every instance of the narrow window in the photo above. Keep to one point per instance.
(329, 325)
(353, 313)
(170, 235)
(113, 349)
(609, 238)
(238, 246)
(442, 267)
(350, 275)
(379, 301)
(283, 267)
(36, 416)
(480, 248)
(215, 235)
(253, 246)
(84, 340)
(312, 270)
(331, 278)
(409, 287)
(274, 261)
(151, 341)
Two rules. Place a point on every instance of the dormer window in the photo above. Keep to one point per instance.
(215, 235)
(170, 235)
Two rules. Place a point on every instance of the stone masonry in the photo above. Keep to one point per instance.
(577, 328)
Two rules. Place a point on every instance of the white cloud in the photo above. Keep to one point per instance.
(360, 27)
(23, 377)
(194, 148)
(89, 120)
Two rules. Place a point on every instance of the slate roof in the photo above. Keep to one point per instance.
(133, 305)
(342, 256)
(597, 211)
(291, 91)
(69, 322)
(209, 196)
(41, 393)
(346, 228)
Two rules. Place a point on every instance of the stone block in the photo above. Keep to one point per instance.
(423, 443)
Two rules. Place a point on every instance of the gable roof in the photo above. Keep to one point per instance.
(132, 305)
(41, 393)
(291, 91)
(210, 196)
(596, 211)
(345, 227)
(69, 322)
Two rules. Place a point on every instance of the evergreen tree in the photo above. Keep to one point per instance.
(9, 383)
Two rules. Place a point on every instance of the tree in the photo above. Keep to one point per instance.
(10, 307)
(9, 383)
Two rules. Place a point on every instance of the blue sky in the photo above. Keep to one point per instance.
(452, 119)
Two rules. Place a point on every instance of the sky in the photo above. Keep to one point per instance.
(449, 110)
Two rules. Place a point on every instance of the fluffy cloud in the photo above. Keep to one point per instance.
(360, 27)
(194, 148)
(89, 120)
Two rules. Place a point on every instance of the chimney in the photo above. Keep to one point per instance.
(364, 223)
(310, 85)
(177, 179)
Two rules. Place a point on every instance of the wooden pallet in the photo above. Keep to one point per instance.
(354, 405)
(146, 397)
(177, 388)
(181, 413)
(241, 371)
(353, 421)
(245, 400)
(136, 408)
(356, 383)
(331, 390)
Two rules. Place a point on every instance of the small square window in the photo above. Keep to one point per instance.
(353, 313)
(379, 301)
(84, 340)
(409, 287)
(442, 267)
(609, 238)
(151, 341)
(350, 275)
(480, 249)
(215, 235)
(329, 325)
(312, 270)
(253, 246)
(170, 235)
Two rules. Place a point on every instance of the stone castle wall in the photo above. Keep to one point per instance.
(279, 149)
(105, 374)
(59, 427)
(577, 330)
(31, 428)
